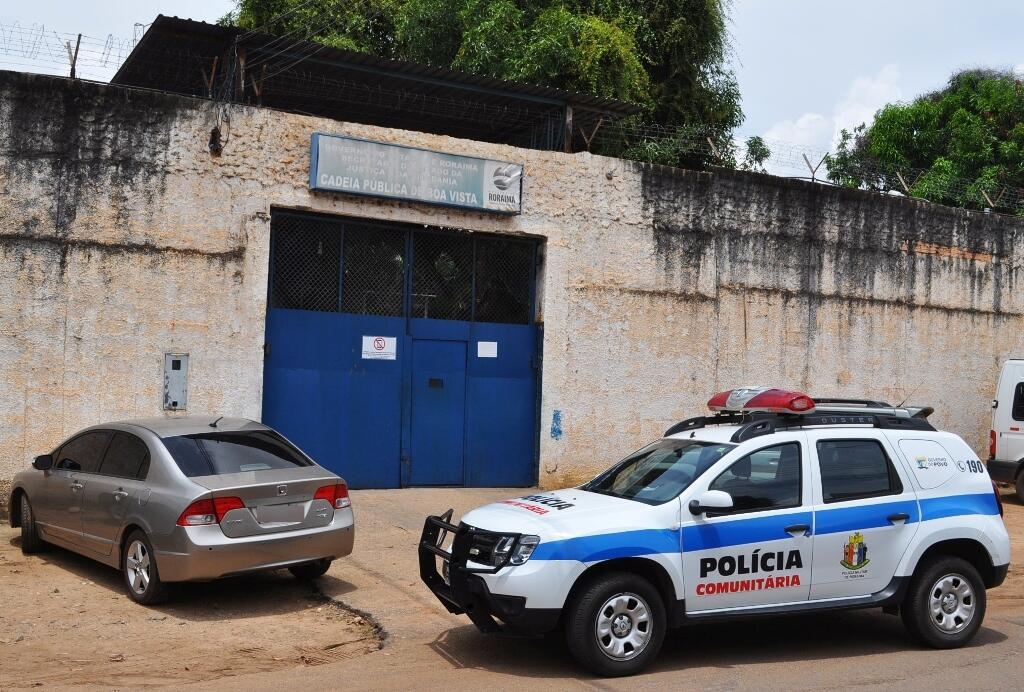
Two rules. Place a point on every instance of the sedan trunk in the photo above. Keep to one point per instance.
(275, 499)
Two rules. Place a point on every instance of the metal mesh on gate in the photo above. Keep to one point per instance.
(442, 276)
(341, 265)
(504, 280)
(374, 266)
(307, 253)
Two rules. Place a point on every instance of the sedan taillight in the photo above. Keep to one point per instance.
(207, 511)
(337, 495)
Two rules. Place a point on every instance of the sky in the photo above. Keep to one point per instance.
(806, 68)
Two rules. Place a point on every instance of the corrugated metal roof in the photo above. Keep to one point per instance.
(178, 55)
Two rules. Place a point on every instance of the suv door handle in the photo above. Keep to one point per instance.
(796, 530)
(120, 495)
(899, 516)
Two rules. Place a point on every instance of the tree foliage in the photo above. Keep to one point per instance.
(757, 153)
(667, 56)
(950, 146)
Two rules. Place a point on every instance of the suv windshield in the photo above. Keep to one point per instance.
(216, 453)
(658, 472)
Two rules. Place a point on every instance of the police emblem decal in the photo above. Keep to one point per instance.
(855, 552)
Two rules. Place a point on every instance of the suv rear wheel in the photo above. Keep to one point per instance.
(615, 624)
(946, 603)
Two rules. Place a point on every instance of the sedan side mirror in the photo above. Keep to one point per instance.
(43, 462)
(711, 501)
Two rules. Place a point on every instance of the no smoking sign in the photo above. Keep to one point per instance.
(380, 347)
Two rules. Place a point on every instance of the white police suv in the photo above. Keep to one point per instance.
(775, 504)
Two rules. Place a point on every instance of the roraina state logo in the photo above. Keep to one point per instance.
(855, 552)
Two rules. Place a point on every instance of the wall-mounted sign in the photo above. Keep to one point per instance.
(363, 167)
(380, 347)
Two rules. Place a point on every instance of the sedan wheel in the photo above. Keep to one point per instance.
(141, 576)
(137, 564)
(30, 540)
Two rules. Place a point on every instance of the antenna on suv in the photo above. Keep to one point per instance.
(900, 405)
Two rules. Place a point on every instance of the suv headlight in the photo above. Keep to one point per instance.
(527, 544)
(522, 551)
(496, 550)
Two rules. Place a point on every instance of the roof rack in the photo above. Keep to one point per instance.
(704, 421)
(868, 403)
(757, 424)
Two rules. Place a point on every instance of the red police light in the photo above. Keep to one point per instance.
(761, 399)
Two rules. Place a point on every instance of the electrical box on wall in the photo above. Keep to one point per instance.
(175, 381)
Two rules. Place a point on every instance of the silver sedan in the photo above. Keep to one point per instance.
(184, 499)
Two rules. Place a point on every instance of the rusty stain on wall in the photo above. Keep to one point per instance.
(922, 248)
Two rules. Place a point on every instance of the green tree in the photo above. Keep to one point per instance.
(757, 153)
(667, 56)
(953, 146)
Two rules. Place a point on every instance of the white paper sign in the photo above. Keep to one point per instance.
(380, 347)
(487, 349)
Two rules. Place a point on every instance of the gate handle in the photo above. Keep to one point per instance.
(899, 516)
(796, 529)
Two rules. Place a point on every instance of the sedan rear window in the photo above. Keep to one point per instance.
(217, 453)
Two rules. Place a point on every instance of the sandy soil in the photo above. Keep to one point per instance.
(277, 630)
(1010, 595)
(65, 620)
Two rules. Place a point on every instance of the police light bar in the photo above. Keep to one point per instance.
(761, 399)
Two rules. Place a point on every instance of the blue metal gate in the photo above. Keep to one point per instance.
(401, 356)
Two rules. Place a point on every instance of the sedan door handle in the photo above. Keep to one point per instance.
(797, 530)
(76, 486)
(899, 516)
(120, 495)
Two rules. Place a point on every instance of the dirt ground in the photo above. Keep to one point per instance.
(1010, 595)
(65, 620)
(270, 633)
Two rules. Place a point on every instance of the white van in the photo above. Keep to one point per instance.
(1006, 440)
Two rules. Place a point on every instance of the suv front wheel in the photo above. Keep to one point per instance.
(946, 603)
(616, 624)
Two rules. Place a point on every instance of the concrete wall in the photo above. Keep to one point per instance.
(122, 237)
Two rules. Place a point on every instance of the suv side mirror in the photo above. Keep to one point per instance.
(711, 501)
(43, 462)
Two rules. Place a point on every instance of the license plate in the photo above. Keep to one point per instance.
(277, 514)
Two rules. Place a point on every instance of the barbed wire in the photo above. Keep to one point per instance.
(42, 47)
(647, 142)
